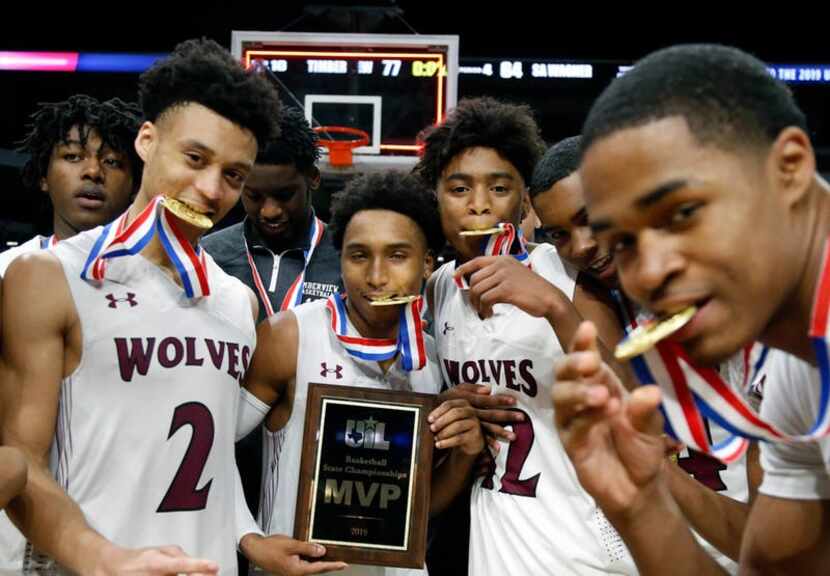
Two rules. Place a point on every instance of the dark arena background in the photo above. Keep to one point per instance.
(555, 58)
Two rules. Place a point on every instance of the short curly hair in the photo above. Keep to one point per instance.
(727, 97)
(297, 143)
(115, 121)
(394, 191)
(202, 72)
(510, 129)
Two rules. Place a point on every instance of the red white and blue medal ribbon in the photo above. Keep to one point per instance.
(190, 263)
(116, 240)
(691, 393)
(260, 287)
(510, 241)
(294, 296)
(754, 356)
(668, 366)
(48, 242)
(409, 343)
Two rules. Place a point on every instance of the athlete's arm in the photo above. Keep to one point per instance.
(270, 378)
(787, 536)
(788, 530)
(12, 474)
(601, 312)
(457, 429)
(275, 554)
(502, 279)
(38, 321)
(716, 517)
(613, 440)
(274, 363)
(279, 554)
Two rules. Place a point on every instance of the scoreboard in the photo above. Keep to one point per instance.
(391, 86)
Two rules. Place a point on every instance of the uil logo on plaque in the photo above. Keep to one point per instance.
(366, 434)
(365, 473)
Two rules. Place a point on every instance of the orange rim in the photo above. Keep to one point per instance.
(340, 151)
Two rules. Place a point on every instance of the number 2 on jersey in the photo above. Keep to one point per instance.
(511, 482)
(183, 495)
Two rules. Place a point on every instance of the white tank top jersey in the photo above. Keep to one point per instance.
(531, 516)
(792, 401)
(321, 358)
(31, 245)
(12, 542)
(144, 436)
(726, 479)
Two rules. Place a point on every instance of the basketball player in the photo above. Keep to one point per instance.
(686, 157)
(281, 234)
(529, 514)
(281, 251)
(81, 154)
(119, 337)
(386, 228)
(557, 195)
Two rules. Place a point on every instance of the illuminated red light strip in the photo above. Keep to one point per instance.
(376, 55)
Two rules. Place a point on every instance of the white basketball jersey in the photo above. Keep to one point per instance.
(31, 245)
(530, 516)
(726, 479)
(144, 437)
(729, 480)
(321, 358)
(12, 542)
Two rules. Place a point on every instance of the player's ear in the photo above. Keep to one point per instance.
(429, 264)
(525, 205)
(313, 178)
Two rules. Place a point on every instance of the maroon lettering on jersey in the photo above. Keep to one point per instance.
(171, 352)
(469, 371)
(512, 374)
(529, 386)
(485, 379)
(216, 354)
(246, 358)
(233, 360)
(495, 369)
(136, 355)
(451, 368)
(704, 469)
(192, 358)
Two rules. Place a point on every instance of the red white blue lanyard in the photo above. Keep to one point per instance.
(409, 343)
(117, 239)
(294, 296)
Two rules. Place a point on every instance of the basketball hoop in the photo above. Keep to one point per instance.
(340, 151)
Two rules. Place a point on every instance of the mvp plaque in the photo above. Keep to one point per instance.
(365, 475)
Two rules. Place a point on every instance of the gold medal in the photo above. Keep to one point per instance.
(394, 300)
(482, 232)
(184, 212)
(646, 336)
